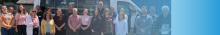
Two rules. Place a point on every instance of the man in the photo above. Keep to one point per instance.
(40, 14)
(131, 19)
(113, 13)
(74, 23)
(163, 23)
(143, 23)
(101, 9)
(154, 16)
(67, 14)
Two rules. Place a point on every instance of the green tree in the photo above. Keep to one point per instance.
(4, 1)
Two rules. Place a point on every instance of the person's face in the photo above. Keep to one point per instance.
(11, 10)
(122, 11)
(121, 16)
(4, 9)
(69, 7)
(74, 12)
(34, 12)
(165, 11)
(49, 10)
(152, 10)
(143, 11)
(100, 4)
(96, 12)
(112, 9)
(85, 12)
(37, 8)
(59, 12)
(48, 16)
(21, 8)
(134, 9)
(107, 13)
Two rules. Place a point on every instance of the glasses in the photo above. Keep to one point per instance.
(33, 11)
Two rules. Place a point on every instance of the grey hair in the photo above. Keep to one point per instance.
(152, 6)
(165, 6)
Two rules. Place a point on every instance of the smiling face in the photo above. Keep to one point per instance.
(85, 12)
(33, 12)
(21, 8)
(96, 12)
(121, 16)
(4, 9)
(152, 11)
(11, 10)
(100, 4)
(48, 16)
(59, 12)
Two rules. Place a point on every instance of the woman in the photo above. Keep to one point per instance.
(121, 27)
(20, 22)
(11, 10)
(47, 25)
(48, 10)
(95, 23)
(6, 22)
(32, 22)
(59, 23)
(85, 26)
(106, 23)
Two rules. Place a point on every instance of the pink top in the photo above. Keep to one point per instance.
(86, 20)
(74, 20)
(21, 18)
(35, 20)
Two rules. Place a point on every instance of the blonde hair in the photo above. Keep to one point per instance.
(106, 10)
(31, 12)
(122, 14)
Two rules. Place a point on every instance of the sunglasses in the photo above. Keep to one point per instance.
(33, 11)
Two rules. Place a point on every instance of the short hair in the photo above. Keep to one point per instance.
(75, 8)
(165, 6)
(106, 10)
(11, 7)
(144, 7)
(152, 6)
(70, 5)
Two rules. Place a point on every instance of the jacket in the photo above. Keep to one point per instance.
(4, 22)
(43, 26)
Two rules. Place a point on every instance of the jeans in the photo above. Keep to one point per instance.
(4, 31)
(48, 34)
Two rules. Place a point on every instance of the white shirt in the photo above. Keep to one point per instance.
(133, 18)
(30, 25)
(121, 27)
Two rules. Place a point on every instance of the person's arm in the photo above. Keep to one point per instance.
(54, 30)
(2, 23)
(12, 21)
(126, 28)
(29, 22)
(80, 22)
(97, 25)
(150, 24)
(136, 24)
(69, 23)
(42, 27)
(89, 23)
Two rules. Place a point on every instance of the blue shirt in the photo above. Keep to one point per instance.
(48, 26)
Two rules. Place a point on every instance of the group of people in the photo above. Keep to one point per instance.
(104, 21)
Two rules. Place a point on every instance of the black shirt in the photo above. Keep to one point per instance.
(40, 16)
(101, 12)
